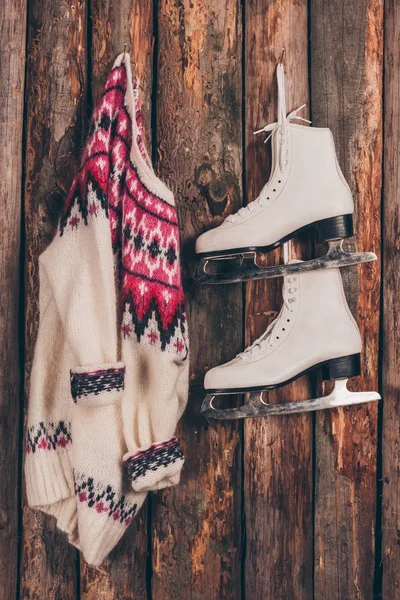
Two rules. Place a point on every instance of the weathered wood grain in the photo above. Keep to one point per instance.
(277, 450)
(56, 110)
(12, 78)
(114, 25)
(390, 554)
(197, 547)
(197, 525)
(123, 574)
(346, 92)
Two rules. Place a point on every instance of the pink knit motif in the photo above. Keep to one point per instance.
(151, 281)
(150, 274)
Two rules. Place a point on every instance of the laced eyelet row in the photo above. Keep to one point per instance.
(251, 207)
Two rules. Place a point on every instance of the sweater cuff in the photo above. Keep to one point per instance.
(98, 385)
(155, 467)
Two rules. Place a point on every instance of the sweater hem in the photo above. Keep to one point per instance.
(103, 516)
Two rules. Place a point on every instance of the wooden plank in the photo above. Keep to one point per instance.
(390, 555)
(113, 26)
(12, 79)
(278, 450)
(56, 110)
(123, 574)
(197, 525)
(346, 93)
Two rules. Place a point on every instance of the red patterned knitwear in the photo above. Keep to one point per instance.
(110, 373)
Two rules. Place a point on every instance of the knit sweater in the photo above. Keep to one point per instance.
(110, 371)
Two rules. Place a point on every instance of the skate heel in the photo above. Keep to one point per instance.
(335, 228)
(342, 368)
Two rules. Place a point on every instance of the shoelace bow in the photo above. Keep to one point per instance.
(283, 120)
(281, 124)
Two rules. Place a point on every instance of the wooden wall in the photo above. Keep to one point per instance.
(296, 508)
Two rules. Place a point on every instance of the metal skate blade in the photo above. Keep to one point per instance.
(256, 407)
(249, 270)
(228, 268)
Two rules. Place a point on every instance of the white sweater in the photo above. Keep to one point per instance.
(110, 371)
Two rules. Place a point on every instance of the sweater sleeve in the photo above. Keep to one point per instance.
(155, 346)
(151, 412)
(154, 340)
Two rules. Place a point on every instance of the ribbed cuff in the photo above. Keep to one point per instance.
(98, 385)
(49, 477)
(156, 467)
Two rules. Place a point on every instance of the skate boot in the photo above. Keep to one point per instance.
(306, 191)
(314, 329)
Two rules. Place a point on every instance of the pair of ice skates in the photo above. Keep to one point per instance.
(306, 191)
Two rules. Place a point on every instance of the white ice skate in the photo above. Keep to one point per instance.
(306, 191)
(313, 329)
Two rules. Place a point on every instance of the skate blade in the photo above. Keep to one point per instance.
(249, 270)
(256, 407)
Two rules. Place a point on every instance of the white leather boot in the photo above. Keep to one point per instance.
(306, 190)
(313, 329)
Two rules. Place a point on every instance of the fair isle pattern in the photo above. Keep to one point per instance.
(50, 436)
(104, 500)
(149, 330)
(97, 185)
(152, 293)
(96, 382)
(157, 456)
(144, 227)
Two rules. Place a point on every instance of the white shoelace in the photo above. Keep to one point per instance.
(283, 120)
(281, 124)
(267, 339)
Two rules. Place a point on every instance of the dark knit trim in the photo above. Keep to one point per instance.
(96, 382)
(51, 436)
(153, 458)
(104, 500)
